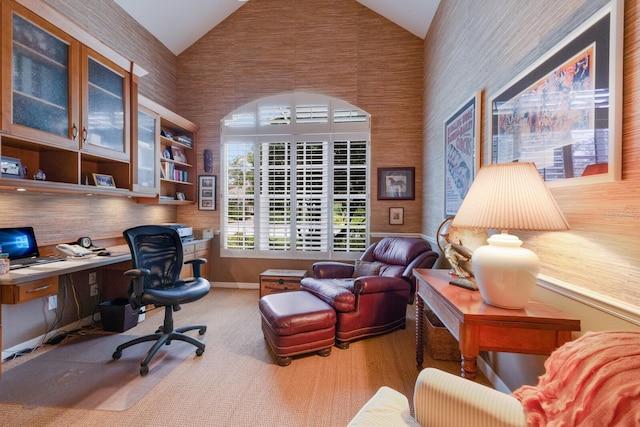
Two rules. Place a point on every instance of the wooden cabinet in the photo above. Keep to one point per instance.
(40, 66)
(66, 103)
(275, 280)
(176, 143)
(145, 153)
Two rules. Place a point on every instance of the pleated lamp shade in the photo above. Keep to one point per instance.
(508, 196)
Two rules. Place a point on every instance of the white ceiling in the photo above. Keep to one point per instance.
(180, 23)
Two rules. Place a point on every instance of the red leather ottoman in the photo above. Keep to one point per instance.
(296, 323)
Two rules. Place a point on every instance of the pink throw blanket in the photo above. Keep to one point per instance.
(592, 381)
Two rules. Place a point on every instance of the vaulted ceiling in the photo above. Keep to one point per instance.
(180, 23)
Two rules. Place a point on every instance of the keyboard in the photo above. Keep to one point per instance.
(14, 264)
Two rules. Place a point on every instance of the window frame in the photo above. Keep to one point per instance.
(245, 125)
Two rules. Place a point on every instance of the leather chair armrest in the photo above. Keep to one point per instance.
(375, 284)
(424, 260)
(338, 293)
(332, 270)
(446, 400)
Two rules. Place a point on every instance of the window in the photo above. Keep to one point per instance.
(294, 178)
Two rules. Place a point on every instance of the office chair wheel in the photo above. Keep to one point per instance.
(201, 331)
(144, 370)
(116, 355)
(199, 351)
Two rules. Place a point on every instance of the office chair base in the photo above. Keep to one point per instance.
(161, 339)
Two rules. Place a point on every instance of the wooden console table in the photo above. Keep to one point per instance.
(536, 329)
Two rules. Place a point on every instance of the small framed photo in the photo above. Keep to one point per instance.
(207, 192)
(178, 155)
(179, 195)
(396, 216)
(12, 168)
(102, 180)
(396, 183)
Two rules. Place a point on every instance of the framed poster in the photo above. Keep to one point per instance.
(564, 112)
(396, 183)
(207, 192)
(461, 142)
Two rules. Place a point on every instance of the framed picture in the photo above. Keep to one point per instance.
(396, 216)
(11, 167)
(207, 192)
(396, 183)
(461, 142)
(102, 180)
(178, 154)
(564, 112)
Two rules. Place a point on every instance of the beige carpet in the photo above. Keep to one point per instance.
(237, 383)
(81, 374)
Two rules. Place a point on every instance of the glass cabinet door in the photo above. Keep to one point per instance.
(145, 161)
(40, 79)
(105, 109)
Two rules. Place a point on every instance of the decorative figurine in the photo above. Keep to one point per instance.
(40, 175)
(208, 161)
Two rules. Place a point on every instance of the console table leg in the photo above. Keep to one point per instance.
(419, 332)
(468, 368)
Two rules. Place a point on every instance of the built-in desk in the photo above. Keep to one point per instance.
(37, 281)
(26, 284)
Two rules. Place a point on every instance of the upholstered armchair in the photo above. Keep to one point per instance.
(371, 296)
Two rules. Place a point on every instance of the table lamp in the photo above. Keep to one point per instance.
(508, 196)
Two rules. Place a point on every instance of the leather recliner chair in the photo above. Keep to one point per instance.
(371, 297)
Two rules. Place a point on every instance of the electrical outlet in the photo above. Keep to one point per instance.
(53, 302)
(93, 290)
(92, 278)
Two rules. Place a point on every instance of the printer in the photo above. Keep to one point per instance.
(184, 231)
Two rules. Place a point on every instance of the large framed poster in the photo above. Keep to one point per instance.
(563, 113)
(461, 142)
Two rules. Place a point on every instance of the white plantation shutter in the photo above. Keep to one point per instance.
(295, 177)
(350, 195)
(312, 192)
(275, 196)
(239, 203)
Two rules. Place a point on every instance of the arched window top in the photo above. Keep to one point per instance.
(295, 112)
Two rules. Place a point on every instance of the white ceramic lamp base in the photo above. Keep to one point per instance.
(505, 272)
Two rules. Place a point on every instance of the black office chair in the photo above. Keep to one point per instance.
(155, 279)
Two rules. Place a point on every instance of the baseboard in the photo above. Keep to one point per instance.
(490, 374)
(235, 285)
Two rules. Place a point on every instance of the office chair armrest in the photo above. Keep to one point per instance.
(197, 266)
(137, 286)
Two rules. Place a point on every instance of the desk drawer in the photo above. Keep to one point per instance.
(15, 294)
(202, 246)
(188, 249)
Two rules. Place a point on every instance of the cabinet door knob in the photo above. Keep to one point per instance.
(280, 281)
(85, 134)
(74, 132)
